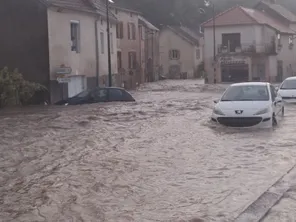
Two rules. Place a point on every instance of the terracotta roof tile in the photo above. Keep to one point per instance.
(246, 16)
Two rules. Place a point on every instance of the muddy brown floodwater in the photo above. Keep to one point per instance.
(159, 159)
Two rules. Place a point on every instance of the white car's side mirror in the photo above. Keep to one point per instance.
(216, 101)
(277, 88)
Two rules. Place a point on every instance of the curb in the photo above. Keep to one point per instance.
(258, 209)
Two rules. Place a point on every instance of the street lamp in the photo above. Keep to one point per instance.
(209, 3)
(108, 42)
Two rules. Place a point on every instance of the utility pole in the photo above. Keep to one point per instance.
(214, 43)
(108, 42)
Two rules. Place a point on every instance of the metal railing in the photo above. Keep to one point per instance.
(268, 48)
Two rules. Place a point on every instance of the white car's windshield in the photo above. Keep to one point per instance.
(289, 84)
(246, 93)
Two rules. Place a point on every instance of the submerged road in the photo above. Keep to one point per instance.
(159, 159)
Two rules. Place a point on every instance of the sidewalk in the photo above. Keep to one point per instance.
(277, 204)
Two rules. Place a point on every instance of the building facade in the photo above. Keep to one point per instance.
(181, 52)
(249, 46)
(63, 45)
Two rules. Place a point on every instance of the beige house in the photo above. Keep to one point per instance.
(181, 52)
(137, 42)
(250, 45)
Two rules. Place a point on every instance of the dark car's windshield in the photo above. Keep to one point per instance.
(246, 93)
(82, 94)
(289, 84)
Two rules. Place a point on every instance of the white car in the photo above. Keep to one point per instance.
(248, 104)
(287, 90)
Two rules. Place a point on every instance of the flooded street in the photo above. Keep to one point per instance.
(159, 159)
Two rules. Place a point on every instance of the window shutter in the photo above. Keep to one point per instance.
(170, 54)
(129, 30)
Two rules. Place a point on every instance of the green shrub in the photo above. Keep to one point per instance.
(15, 90)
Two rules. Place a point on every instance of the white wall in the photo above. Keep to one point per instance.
(84, 62)
(188, 62)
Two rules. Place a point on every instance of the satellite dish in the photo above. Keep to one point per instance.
(202, 11)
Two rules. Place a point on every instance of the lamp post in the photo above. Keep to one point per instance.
(108, 43)
(209, 3)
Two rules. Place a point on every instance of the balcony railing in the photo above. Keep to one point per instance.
(269, 48)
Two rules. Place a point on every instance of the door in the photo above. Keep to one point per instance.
(231, 41)
(75, 86)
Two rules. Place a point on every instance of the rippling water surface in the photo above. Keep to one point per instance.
(159, 159)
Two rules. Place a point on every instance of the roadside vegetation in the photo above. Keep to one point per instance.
(15, 90)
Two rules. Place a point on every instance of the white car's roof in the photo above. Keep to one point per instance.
(251, 84)
(291, 78)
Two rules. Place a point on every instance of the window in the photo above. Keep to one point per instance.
(102, 42)
(99, 95)
(132, 64)
(198, 54)
(131, 31)
(231, 41)
(142, 32)
(246, 93)
(119, 30)
(119, 60)
(75, 36)
(115, 94)
(174, 54)
(289, 84)
(111, 43)
(279, 39)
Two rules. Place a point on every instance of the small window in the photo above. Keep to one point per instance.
(132, 64)
(290, 40)
(142, 32)
(102, 42)
(75, 36)
(119, 30)
(174, 54)
(198, 54)
(131, 31)
(119, 60)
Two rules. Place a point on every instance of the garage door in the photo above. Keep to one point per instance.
(75, 86)
(235, 73)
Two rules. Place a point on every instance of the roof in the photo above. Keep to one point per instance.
(279, 9)
(186, 34)
(239, 15)
(144, 22)
(90, 6)
(124, 5)
(291, 78)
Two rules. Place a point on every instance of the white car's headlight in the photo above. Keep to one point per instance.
(218, 111)
(262, 111)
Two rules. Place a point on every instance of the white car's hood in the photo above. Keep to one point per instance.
(249, 108)
(287, 92)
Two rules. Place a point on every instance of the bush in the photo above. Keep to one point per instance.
(15, 90)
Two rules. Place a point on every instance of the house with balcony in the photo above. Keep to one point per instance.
(181, 52)
(58, 43)
(286, 64)
(246, 46)
(137, 42)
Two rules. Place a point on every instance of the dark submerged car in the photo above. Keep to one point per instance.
(98, 95)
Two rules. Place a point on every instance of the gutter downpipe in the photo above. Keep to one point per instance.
(97, 52)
